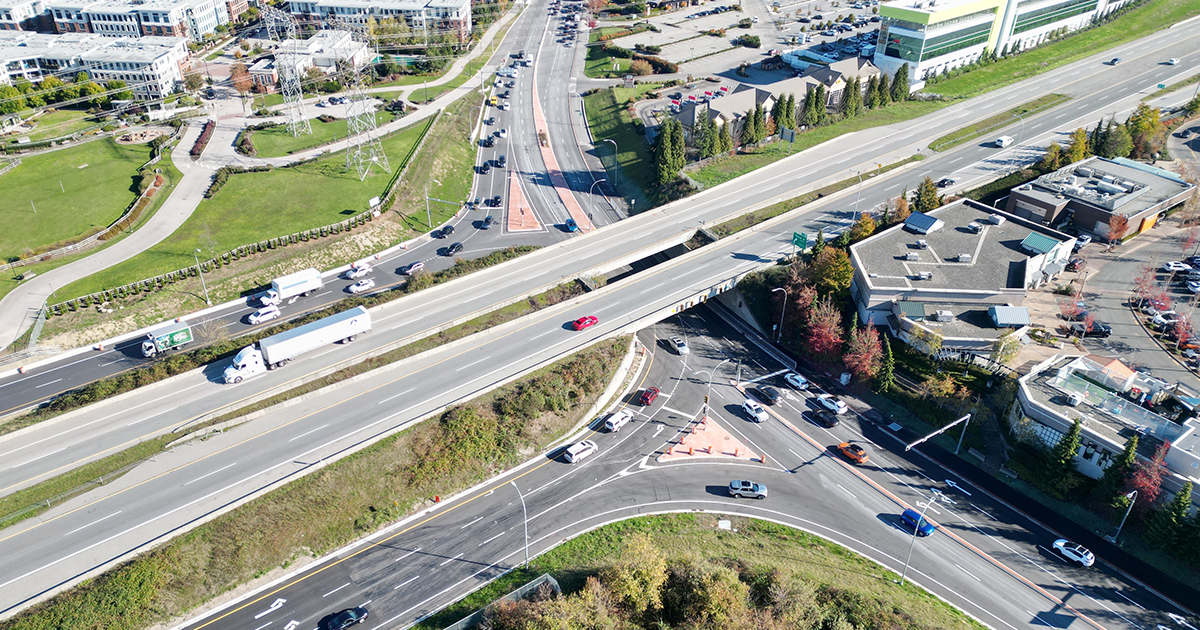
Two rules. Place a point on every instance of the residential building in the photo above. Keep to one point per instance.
(932, 36)
(1089, 193)
(151, 66)
(21, 15)
(70, 16)
(958, 274)
(322, 51)
(730, 109)
(131, 18)
(114, 19)
(423, 16)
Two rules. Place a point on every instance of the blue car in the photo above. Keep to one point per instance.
(913, 519)
(571, 226)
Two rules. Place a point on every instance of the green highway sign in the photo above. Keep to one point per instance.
(800, 240)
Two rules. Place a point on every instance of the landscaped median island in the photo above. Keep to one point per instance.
(999, 121)
(685, 571)
(372, 488)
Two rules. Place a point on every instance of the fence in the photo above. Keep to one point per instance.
(14, 163)
(69, 494)
(148, 285)
(28, 353)
(389, 193)
(474, 618)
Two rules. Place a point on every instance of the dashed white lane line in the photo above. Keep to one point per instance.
(309, 432)
(449, 560)
(475, 520)
(846, 491)
(407, 554)
(406, 582)
(336, 590)
(490, 539)
(92, 523)
(211, 473)
(967, 572)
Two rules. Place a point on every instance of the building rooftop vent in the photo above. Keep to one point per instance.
(996, 219)
(922, 244)
(912, 256)
(975, 227)
(925, 275)
(966, 258)
(944, 316)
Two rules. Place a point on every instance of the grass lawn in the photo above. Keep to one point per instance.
(1139, 22)
(271, 100)
(277, 141)
(600, 65)
(56, 123)
(724, 169)
(299, 198)
(446, 163)
(751, 543)
(998, 121)
(631, 168)
(98, 180)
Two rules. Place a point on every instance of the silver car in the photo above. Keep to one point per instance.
(680, 345)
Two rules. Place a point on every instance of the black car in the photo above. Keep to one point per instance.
(485, 168)
(1098, 329)
(496, 201)
(445, 231)
(945, 182)
(1075, 317)
(487, 222)
(347, 618)
(1076, 264)
(489, 141)
(454, 249)
(824, 418)
(767, 394)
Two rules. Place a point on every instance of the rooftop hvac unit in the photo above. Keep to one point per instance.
(944, 316)
(1075, 399)
(925, 275)
(922, 244)
(974, 227)
(1108, 178)
(1084, 171)
(964, 258)
(912, 256)
(1025, 187)
(996, 219)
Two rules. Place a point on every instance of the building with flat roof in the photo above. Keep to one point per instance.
(932, 36)
(434, 17)
(70, 16)
(1089, 193)
(131, 18)
(21, 15)
(152, 67)
(960, 272)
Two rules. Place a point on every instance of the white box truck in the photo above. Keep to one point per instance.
(278, 350)
(170, 336)
(290, 286)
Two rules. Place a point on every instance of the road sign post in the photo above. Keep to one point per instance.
(799, 242)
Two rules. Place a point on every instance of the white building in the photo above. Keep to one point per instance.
(132, 18)
(20, 15)
(322, 51)
(423, 16)
(151, 66)
(936, 35)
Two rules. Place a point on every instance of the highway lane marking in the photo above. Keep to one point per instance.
(111, 363)
(92, 523)
(984, 512)
(472, 364)
(407, 554)
(844, 489)
(475, 520)
(676, 411)
(210, 474)
(449, 560)
(543, 334)
(53, 369)
(491, 539)
(1129, 600)
(434, 596)
(264, 625)
(395, 396)
(307, 433)
(405, 582)
(960, 568)
(39, 457)
(47, 384)
(336, 589)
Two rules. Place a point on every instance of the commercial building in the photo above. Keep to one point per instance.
(152, 67)
(432, 17)
(936, 35)
(1088, 194)
(958, 274)
(322, 51)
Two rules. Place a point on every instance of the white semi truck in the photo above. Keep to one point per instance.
(287, 287)
(170, 336)
(278, 350)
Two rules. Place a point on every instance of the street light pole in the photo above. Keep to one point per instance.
(1132, 496)
(593, 188)
(196, 256)
(526, 513)
(912, 544)
(859, 194)
(779, 330)
(708, 392)
(1020, 133)
(428, 216)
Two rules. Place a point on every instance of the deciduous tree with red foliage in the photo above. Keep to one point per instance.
(1147, 480)
(1144, 282)
(1118, 226)
(1183, 330)
(1069, 309)
(824, 334)
(863, 351)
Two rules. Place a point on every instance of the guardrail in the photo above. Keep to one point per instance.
(67, 495)
(473, 619)
(14, 163)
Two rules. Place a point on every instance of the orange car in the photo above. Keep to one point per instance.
(853, 452)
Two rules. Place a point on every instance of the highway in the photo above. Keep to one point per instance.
(196, 482)
(986, 559)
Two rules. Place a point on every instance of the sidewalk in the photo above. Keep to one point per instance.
(18, 308)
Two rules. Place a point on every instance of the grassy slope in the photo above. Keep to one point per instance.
(277, 141)
(95, 196)
(609, 121)
(254, 207)
(57, 123)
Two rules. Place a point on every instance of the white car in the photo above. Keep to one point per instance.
(795, 380)
(1176, 266)
(581, 450)
(414, 268)
(832, 403)
(357, 271)
(1173, 61)
(504, 107)
(503, 133)
(1003, 141)
(680, 345)
(618, 420)
(1074, 552)
(1193, 286)
(756, 411)
(362, 285)
(264, 314)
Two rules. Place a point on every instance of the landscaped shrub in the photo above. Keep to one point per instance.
(223, 173)
(326, 118)
(244, 144)
(202, 141)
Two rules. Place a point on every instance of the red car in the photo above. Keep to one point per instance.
(584, 322)
(648, 396)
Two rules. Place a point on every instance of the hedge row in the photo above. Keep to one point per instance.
(660, 65)
(223, 173)
(202, 141)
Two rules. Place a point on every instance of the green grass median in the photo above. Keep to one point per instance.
(999, 121)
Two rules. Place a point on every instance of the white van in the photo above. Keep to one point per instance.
(578, 451)
(618, 420)
(1003, 141)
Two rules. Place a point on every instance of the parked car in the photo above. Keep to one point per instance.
(795, 380)
(584, 322)
(755, 411)
(747, 489)
(347, 618)
(618, 420)
(265, 314)
(576, 452)
(1176, 267)
(832, 403)
(1076, 264)
(767, 394)
(1083, 240)
(1098, 329)
(1074, 552)
(917, 523)
(680, 345)
(648, 396)
(362, 286)
(853, 452)
(825, 418)
(414, 268)
(1076, 316)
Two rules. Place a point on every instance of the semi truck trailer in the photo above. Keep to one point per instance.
(287, 287)
(278, 350)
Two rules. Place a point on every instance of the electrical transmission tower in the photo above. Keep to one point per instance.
(364, 149)
(282, 27)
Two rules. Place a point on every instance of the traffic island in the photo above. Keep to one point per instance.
(707, 440)
(520, 216)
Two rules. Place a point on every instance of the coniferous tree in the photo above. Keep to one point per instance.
(789, 112)
(927, 196)
(748, 128)
(818, 244)
(760, 123)
(1168, 526)
(852, 99)
(884, 96)
(1117, 141)
(1078, 148)
(1061, 461)
(1116, 476)
(1096, 138)
(678, 147)
(726, 140)
(885, 378)
(777, 112)
(900, 84)
(872, 92)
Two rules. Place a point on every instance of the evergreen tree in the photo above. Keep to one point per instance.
(726, 140)
(678, 147)
(748, 129)
(1061, 461)
(927, 196)
(816, 113)
(777, 112)
(843, 240)
(852, 102)
(818, 245)
(1168, 527)
(805, 115)
(1096, 138)
(789, 112)
(1077, 150)
(884, 96)
(873, 92)
(702, 137)
(900, 84)
(885, 378)
(760, 123)
(1117, 142)
(666, 152)
(1116, 476)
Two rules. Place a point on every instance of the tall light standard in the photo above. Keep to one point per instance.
(1132, 496)
(199, 270)
(912, 544)
(708, 392)
(779, 329)
(614, 143)
(594, 204)
(1016, 146)
(526, 513)
(428, 216)
(858, 195)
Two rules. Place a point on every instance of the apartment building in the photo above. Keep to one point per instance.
(21, 15)
(935, 35)
(134, 18)
(423, 16)
(151, 66)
